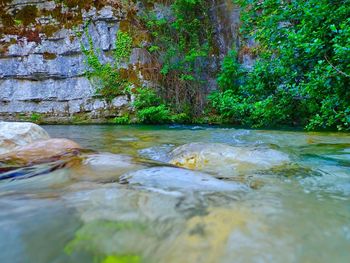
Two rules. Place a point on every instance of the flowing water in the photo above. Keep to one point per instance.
(85, 213)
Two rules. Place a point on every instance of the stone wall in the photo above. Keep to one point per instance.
(42, 65)
(46, 77)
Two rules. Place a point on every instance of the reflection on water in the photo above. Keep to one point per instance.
(85, 213)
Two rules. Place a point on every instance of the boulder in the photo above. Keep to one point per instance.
(171, 178)
(13, 134)
(226, 160)
(40, 152)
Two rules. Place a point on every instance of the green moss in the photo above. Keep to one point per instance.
(27, 15)
(85, 4)
(35, 117)
(68, 14)
(80, 118)
(7, 20)
(73, 3)
(4, 47)
(49, 56)
(122, 259)
(66, 17)
(95, 232)
(49, 30)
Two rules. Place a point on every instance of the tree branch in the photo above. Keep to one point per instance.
(338, 70)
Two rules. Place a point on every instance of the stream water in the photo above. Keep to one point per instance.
(84, 213)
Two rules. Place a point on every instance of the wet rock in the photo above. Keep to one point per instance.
(113, 214)
(169, 178)
(106, 167)
(13, 134)
(205, 238)
(40, 152)
(114, 202)
(118, 219)
(225, 159)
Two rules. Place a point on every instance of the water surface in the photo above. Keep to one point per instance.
(299, 213)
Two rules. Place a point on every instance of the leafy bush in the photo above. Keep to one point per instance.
(146, 97)
(122, 120)
(36, 117)
(302, 75)
(149, 108)
(154, 114)
(181, 118)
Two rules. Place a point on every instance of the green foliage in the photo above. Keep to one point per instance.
(182, 43)
(303, 71)
(123, 47)
(106, 77)
(230, 72)
(181, 118)
(146, 97)
(149, 108)
(35, 117)
(122, 120)
(154, 114)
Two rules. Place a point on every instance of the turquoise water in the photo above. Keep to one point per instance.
(297, 213)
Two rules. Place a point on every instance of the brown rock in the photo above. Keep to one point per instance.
(40, 152)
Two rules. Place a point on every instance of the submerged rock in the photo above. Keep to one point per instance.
(106, 167)
(225, 159)
(40, 152)
(116, 219)
(170, 178)
(206, 238)
(13, 134)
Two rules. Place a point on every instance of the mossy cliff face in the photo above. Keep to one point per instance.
(42, 69)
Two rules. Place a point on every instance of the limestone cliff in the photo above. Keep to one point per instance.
(41, 61)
